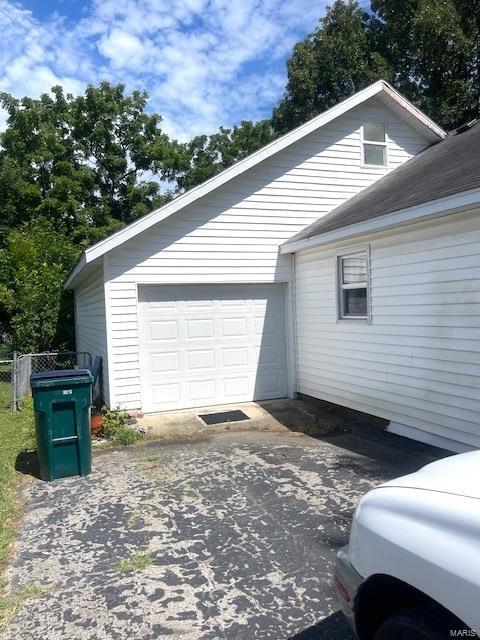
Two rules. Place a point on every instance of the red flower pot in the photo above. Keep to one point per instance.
(96, 424)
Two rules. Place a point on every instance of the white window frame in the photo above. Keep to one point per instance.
(372, 142)
(349, 252)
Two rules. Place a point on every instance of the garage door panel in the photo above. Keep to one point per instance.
(235, 388)
(167, 394)
(234, 357)
(164, 362)
(201, 360)
(233, 327)
(201, 391)
(267, 384)
(199, 328)
(162, 330)
(269, 357)
(211, 344)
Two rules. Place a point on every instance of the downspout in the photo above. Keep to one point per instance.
(294, 325)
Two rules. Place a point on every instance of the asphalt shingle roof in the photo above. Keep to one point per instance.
(446, 168)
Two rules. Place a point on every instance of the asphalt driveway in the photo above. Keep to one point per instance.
(231, 536)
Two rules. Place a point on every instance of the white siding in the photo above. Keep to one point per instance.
(90, 325)
(418, 362)
(233, 234)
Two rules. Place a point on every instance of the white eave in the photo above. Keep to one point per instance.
(456, 203)
(382, 88)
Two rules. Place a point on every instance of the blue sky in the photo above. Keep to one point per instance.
(205, 63)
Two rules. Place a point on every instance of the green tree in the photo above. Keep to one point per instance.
(332, 63)
(80, 162)
(115, 134)
(433, 50)
(429, 50)
(34, 309)
(208, 155)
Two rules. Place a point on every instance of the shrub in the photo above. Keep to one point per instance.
(115, 426)
(125, 436)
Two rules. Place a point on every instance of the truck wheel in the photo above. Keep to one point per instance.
(415, 624)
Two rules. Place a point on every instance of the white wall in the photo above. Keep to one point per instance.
(418, 362)
(233, 235)
(90, 324)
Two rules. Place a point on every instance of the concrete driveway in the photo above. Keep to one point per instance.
(227, 536)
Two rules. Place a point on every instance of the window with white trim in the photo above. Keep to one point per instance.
(374, 144)
(353, 285)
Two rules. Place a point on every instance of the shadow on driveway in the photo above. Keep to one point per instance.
(355, 433)
(334, 627)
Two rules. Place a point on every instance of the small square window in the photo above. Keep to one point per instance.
(353, 286)
(374, 132)
(374, 154)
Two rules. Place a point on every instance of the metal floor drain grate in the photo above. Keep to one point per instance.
(224, 416)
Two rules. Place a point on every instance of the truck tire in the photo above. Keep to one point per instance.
(415, 624)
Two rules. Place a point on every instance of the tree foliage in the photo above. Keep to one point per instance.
(78, 161)
(332, 63)
(34, 309)
(428, 49)
(208, 155)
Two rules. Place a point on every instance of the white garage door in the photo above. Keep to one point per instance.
(211, 344)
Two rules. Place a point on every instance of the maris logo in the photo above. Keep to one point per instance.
(462, 633)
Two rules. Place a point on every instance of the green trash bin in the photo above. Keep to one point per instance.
(62, 401)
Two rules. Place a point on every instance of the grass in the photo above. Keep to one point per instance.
(5, 392)
(16, 435)
(11, 602)
(135, 562)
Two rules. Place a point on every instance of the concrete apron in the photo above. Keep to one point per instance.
(273, 415)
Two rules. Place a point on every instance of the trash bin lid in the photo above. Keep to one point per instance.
(60, 374)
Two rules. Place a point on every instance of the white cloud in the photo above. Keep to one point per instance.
(31, 57)
(205, 63)
(123, 49)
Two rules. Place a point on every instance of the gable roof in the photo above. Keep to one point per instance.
(449, 167)
(380, 88)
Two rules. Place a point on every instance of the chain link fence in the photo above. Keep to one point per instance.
(6, 384)
(26, 364)
(15, 374)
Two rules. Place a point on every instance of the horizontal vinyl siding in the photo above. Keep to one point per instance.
(418, 362)
(90, 324)
(233, 235)
(123, 341)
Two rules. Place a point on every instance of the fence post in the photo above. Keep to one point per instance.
(14, 382)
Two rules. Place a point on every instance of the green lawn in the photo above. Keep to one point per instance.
(16, 435)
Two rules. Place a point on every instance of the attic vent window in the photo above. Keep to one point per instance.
(374, 144)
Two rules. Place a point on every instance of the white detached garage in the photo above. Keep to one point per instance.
(205, 301)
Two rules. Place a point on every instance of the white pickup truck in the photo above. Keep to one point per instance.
(411, 570)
